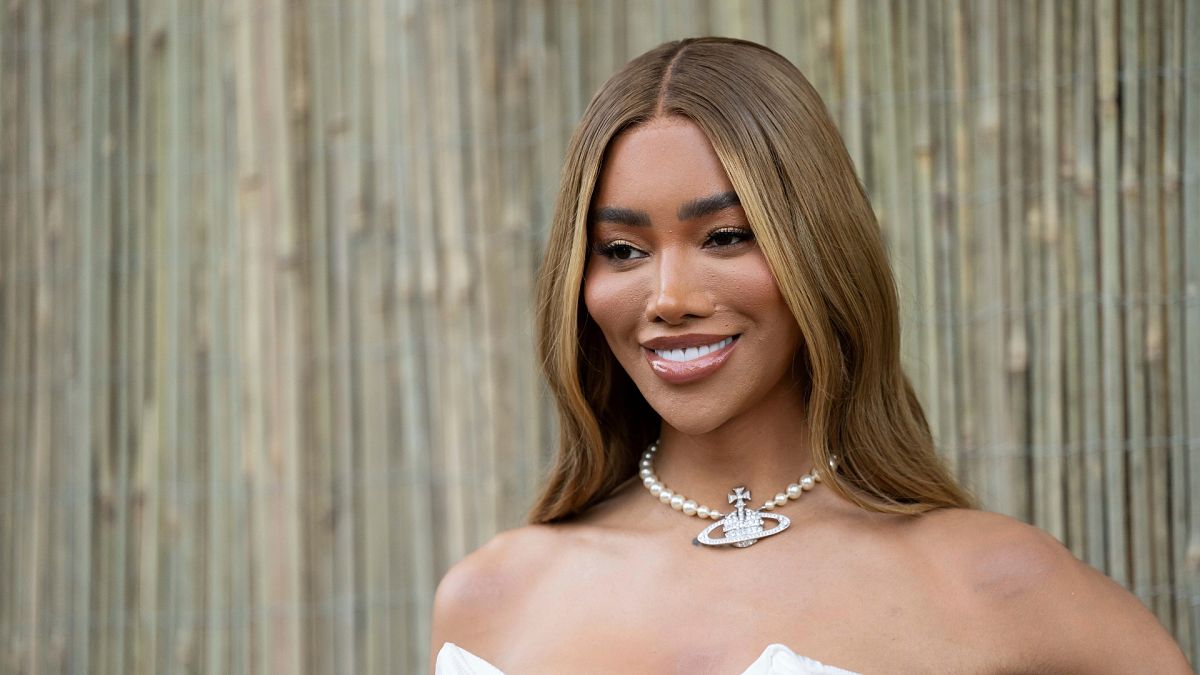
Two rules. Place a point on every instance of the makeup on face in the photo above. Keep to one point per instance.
(676, 282)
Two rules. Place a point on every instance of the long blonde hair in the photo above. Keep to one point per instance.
(818, 233)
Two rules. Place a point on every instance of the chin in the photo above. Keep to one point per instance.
(692, 420)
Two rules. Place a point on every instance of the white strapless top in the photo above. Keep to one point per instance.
(776, 659)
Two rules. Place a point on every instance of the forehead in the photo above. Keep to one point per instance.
(662, 163)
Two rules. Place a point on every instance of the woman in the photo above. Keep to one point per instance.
(718, 325)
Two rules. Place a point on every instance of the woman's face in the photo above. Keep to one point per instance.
(677, 283)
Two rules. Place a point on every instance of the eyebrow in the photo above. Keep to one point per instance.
(696, 208)
(706, 206)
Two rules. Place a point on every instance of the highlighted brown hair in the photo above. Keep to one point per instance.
(818, 233)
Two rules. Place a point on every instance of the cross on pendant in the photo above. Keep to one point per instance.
(741, 495)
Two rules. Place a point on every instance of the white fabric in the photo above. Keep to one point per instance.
(776, 659)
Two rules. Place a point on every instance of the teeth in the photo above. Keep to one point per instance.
(692, 352)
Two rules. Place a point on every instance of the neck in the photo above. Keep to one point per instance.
(764, 450)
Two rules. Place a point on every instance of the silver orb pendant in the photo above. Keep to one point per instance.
(744, 526)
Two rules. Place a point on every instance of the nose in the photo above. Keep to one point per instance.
(678, 291)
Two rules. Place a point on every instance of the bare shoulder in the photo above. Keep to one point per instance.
(484, 589)
(1046, 610)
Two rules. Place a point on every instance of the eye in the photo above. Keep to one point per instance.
(619, 250)
(729, 236)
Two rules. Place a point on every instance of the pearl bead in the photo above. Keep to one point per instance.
(689, 507)
(769, 506)
(650, 480)
(665, 496)
(807, 483)
(702, 511)
(794, 491)
(656, 489)
(645, 472)
(677, 502)
(646, 464)
(781, 499)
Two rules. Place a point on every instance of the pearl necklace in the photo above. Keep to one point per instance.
(743, 526)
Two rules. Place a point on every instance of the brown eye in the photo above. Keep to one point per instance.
(620, 250)
(729, 236)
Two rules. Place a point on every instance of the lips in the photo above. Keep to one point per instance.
(686, 358)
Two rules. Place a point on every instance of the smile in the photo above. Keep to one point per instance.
(681, 364)
(693, 353)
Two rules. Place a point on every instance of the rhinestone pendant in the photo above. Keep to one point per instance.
(742, 527)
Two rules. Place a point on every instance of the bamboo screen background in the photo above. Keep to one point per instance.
(266, 362)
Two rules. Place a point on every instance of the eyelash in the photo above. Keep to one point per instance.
(609, 250)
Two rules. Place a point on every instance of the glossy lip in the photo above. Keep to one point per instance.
(680, 372)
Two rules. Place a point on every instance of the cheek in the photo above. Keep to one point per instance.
(755, 287)
(611, 301)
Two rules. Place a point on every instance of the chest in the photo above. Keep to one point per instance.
(667, 617)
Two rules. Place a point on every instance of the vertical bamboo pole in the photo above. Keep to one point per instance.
(525, 206)
(1172, 205)
(128, 337)
(1073, 307)
(335, 94)
(1133, 291)
(10, 336)
(964, 183)
(1157, 403)
(8, 319)
(1112, 383)
(850, 121)
(1012, 48)
(62, 209)
(220, 447)
(901, 168)
(455, 415)
(93, 291)
(945, 209)
(1190, 242)
(1050, 441)
(488, 233)
(417, 297)
(31, 573)
(171, 264)
(327, 636)
(1087, 256)
(923, 107)
(371, 392)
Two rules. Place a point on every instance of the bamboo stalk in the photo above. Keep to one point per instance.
(1191, 309)
(964, 184)
(367, 41)
(220, 442)
(850, 105)
(31, 573)
(951, 435)
(1157, 403)
(127, 334)
(1011, 47)
(1068, 253)
(1089, 315)
(1051, 440)
(925, 256)
(1133, 286)
(417, 296)
(62, 209)
(10, 339)
(1112, 382)
(1172, 205)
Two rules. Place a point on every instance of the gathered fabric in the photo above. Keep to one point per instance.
(776, 659)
